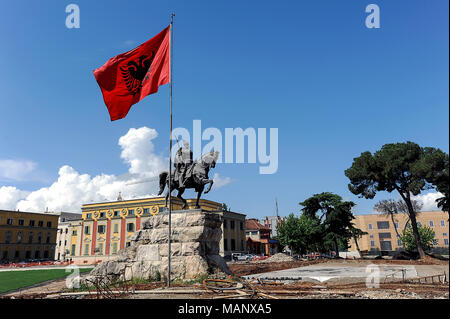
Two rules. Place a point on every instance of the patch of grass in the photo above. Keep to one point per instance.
(12, 280)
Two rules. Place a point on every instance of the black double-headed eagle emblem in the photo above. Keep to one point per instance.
(134, 72)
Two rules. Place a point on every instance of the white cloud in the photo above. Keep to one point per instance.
(73, 189)
(9, 196)
(428, 200)
(16, 170)
(220, 181)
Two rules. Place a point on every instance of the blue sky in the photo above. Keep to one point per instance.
(332, 87)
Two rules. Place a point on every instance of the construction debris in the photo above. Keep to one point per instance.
(280, 257)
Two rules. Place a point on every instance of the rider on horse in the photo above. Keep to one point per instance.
(183, 160)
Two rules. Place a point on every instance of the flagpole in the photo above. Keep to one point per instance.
(170, 150)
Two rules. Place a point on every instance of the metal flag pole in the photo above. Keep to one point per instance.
(170, 149)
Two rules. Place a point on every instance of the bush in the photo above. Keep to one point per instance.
(426, 238)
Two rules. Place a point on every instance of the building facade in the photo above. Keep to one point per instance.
(26, 236)
(106, 228)
(63, 237)
(258, 238)
(382, 232)
(272, 222)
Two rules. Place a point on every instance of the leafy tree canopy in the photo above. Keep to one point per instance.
(426, 237)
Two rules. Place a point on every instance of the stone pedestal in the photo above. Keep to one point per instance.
(195, 237)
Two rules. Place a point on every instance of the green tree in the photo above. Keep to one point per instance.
(403, 167)
(289, 233)
(299, 233)
(426, 238)
(335, 217)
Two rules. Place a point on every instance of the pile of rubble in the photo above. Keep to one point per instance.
(278, 258)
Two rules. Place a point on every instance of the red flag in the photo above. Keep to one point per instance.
(129, 77)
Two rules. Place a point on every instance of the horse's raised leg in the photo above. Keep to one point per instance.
(210, 182)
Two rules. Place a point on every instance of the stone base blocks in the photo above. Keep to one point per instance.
(195, 237)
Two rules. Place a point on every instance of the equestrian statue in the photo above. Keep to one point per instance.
(189, 174)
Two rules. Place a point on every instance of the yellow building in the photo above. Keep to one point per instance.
(25, 235)
(105, 228)
(382, 232)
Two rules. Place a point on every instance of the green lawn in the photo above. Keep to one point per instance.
(11, 280)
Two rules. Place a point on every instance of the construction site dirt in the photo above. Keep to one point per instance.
(328, 279)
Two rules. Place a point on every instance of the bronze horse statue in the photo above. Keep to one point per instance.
(196, 177)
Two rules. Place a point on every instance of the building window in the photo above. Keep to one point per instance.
(232, 224)
(399, 242)
(31, 223)
(442, 223)
(114, 248)
(146, 211)
(396, 225)
(86, 230)
(49, 224)
(74, 232)
(100, 249)
(47, 240)
(370, 226)
(73, 250)
(116, 213)
(242, 225)
(67, 230)
(384, 235)
(21, 222)
(435, 242)
(372, 243)
(102, 215)
(101, 229)
(431, 223)
(383, 225)
(88, 216)
(130, 227)
(65, 243)
(371, 236)
(130, 212)
(419, 224)
(9, 221)
(30, 238)
(444, 234)
(39, 238)
(446, 241)
(254, 233)
(40, 223)
(59, 243)
(116, 228)
(86, 249)
(8, 237)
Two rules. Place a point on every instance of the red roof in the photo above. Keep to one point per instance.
(253, 224)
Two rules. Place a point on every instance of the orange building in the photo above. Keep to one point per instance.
(258, 238)
(382, 232)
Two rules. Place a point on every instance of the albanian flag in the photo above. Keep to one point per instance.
(129, 77)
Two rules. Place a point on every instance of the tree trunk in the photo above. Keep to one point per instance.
(412, 217)
(357, 246)
(336, 247)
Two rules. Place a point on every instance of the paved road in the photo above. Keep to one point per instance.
(325, 272)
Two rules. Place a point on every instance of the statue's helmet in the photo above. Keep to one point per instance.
(185, 143)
